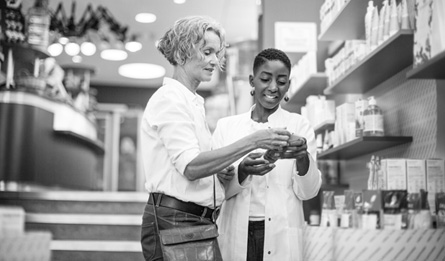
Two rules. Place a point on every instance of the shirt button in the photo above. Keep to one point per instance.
(270, 219)
(268, 252)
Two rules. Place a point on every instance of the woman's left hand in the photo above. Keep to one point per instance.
(297, 148)
(226, 174)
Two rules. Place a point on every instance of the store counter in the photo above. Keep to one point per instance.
(47, 142)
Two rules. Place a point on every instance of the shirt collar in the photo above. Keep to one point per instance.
(181, 87)
(274, 120)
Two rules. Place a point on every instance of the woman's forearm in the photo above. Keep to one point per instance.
(210, 162)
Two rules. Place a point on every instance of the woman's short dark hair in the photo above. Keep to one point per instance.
(180, 42)
(271, 54)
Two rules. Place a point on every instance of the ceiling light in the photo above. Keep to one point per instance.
(77, 59)
(72, 49)
(114, 55)
(88, 48)
(145, 18)
(141, 71)
(179, 1)
(63, 40)
(133, 46)
(55, 49)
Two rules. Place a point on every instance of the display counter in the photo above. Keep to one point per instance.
(47, 142)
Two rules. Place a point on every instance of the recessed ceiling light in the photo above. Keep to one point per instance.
(114, 54)
(179, 1)
(77, 59)
(55, 49)
(72, 49)
(88, 48)
(133, 46)
(141, 71)
(145, 18)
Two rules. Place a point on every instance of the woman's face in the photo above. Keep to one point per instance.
(205, 60)
(271, 82)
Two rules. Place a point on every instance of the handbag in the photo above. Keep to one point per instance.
(191, 243)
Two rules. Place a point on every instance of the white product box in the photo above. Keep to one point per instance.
(360, 107)
(12, 220)
(435, 175)
(396, 174)
(416, 175)
(382, 176)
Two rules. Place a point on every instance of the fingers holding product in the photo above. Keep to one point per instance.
(253, 164)
(226, 174)
(273, 138)
(297, 147)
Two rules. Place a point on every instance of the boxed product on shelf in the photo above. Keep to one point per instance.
(12, 220)
(415, 175)
(435, 180)
(396, 174)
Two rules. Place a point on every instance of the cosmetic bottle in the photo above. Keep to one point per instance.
(373, 117)
(368, 24)
(37, 25)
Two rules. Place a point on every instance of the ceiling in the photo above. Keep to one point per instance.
(238, 17)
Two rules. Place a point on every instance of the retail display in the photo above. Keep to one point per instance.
(37, 25)
(373, 119)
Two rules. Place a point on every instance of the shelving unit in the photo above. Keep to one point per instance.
(96, 145)
(349, 23)
(376, 67)
(314, 85)
(321, 128)
(362, 146)
(431, 69)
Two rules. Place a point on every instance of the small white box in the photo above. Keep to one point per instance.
(12, 220)
(435, 175)
(382, 176)
(416, 175)
(396, 174)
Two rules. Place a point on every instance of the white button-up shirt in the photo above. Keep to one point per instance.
(173, 132)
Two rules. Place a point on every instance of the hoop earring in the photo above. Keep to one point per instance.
(252, 92)
(286, 98)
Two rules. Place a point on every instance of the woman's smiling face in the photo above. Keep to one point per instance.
(271, 82)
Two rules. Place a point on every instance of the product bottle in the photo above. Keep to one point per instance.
(368, 24)
(271, 155)
(373, 117)
(37, 25)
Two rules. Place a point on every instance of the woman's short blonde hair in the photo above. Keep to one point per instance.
(181, 41)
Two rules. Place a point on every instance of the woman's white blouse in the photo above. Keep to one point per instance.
(173, 132)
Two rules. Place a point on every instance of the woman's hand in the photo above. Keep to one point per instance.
(272, 138)
(226, 174)
(297, 148)
(253, 164)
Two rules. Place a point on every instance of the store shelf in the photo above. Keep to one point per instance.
(314, 85)
(349, 23)
(362, 146)
(96, 145)
(431, 69)
(389, 58)
(27, 52)
(322, 127)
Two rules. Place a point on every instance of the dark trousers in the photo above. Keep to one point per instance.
(255, 241)
(167, 218)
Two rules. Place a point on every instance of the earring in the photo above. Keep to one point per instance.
(286, 98)
(252, 92)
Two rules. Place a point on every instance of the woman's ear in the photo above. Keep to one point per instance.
(251, 80)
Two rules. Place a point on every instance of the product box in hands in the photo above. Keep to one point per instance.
(415, 175)
(396, 174)
(12, 220)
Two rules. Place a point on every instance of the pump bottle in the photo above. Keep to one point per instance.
(373, 117)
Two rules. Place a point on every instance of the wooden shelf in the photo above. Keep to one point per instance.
(314, 85)
(431, 69)
(321, 128)
(362, 146)
(392, 56)
(349, 23)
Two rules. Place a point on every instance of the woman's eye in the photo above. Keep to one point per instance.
(264, 80)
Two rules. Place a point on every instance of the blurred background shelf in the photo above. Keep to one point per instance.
(375, 68)
(321, 128)
(349, 23)
(314, 85)
(431, 69)
(362, 146)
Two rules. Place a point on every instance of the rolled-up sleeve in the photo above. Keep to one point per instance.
(171, 118)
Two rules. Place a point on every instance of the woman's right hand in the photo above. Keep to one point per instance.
(253, 164)
(272, 138)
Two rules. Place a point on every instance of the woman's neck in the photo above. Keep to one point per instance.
(181, 76)
(261, 114)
